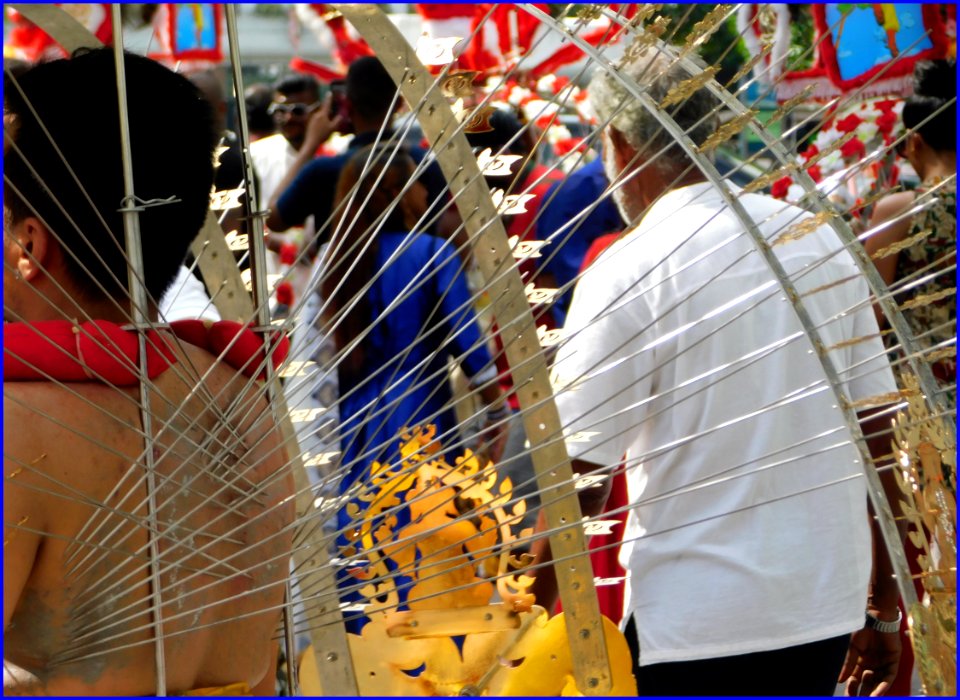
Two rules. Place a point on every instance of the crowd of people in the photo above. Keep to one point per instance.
(752, 559)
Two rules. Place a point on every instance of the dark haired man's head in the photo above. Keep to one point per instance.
(257, 99)
(295, 98)
(932, 109)
(370, 91)
(70, 184)
(503, 133)
(296, 83)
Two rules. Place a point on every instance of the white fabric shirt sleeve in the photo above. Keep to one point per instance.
(602, 371)
(187, 299)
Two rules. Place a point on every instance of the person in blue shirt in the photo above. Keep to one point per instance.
(399, 308)
(563, 204)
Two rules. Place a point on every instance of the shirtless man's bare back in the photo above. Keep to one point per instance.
(79, 572)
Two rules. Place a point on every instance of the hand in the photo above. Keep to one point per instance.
(321, 125)
(492, 439)
(872, 662)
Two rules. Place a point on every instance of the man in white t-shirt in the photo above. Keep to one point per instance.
(295, 99)
(748, 542)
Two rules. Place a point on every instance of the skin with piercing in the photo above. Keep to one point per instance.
(86, 589)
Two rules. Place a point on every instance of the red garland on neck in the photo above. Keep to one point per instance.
(101, 351)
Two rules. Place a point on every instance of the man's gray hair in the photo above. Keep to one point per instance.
(654, 73)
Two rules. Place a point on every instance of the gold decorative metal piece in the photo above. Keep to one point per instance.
(766, 180)
(549, 336)
(477, 121)
(926, 478)
(749, 65)
(460, 532)
(523, 250)
(221, 200)
(237, 241)
(704, 28)
(508, 204)
(540, 295)
(588, 13)
(924, 299)
(804, 228)
(835, 146)
(802, 98)
(687, 87)
(645, 38)
(906, 243)
(459, 84)
(727, 131)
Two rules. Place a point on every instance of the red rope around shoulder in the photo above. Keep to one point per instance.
(101, 351)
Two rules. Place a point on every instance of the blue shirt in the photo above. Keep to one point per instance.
(561, 204)
(405, 381)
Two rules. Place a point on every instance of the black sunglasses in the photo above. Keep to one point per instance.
(294, 109)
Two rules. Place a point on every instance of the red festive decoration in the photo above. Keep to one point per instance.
(28, 42)
(322, 72)
(884, 77)
(810, 152)
(853, 148)
(849, 123)
(780, 188)
(886, 121)
(288, 253)
(285, 294)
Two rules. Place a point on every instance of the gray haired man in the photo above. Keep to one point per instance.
(748, 542)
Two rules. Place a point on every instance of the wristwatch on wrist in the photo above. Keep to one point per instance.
(891, 627)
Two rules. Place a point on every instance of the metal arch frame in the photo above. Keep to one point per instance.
(329, 636)
(138, 299)
(521, 344)
(488, 238)
(885, 518)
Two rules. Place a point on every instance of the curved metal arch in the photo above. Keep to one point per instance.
(875, 489)
(328, 638)
(522, 347)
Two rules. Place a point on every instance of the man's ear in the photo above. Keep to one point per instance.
(623, 152)
(37, 247)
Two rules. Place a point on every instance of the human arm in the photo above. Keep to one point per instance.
(496, 424)
(466, 342)
(890, 226)
(320, 127)
(23, 515)
(873, 658)
(592, 500)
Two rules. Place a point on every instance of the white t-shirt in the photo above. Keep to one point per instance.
(272, 157)
(187, 299)
(749, 529)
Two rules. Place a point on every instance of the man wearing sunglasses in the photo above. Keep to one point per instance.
(367, 103)
(295, 99)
